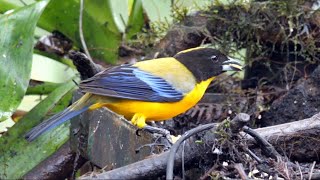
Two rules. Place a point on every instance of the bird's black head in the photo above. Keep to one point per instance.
(206, 63)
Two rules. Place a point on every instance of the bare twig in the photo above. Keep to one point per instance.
(254, 156)
(236, 124)
(311, 171)
(313, 176)
(283, 166)
(299, 170)
(175, 147)
(83, 43)
(182, 164)
(270, 150)
(207, 174)
(240, 170)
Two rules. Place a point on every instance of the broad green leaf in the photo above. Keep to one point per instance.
(136, 19)
(110, 13)
(49, 70)
(119, 10)
(19, 156)
(99, 30)
(6, 5)
(158, 10)
(127, 15)
(29, 102)
(55, 57)
(17, 3)
(16, 42)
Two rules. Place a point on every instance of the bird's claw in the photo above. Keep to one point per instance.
(155, 130)
(162, 139)
(153, 148)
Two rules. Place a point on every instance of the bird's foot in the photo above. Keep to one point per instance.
(160, 131)
(162, 139)
(158, 146)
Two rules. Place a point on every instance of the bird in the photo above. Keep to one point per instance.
(150, 90)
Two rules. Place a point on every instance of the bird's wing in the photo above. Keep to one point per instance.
(130, 82)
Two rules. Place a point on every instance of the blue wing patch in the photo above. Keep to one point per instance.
(128, 82)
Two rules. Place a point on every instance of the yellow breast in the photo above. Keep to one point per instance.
(159, 111)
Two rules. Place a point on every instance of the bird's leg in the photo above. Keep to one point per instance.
(157, 143)
(165, 139)
(139, 120)
(165, 133)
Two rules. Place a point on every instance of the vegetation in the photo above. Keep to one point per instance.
(278, 41)
(106, 25)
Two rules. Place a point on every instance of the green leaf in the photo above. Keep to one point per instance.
(63, 60)
(16, 42)
(119, 10)
(6, 5)
(136, 19)
(19, 156)
(158, 10)
(100, 33)
(107, 12)
(50, 70)
(41, 89)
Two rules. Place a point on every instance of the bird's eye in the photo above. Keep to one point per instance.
(214, 58)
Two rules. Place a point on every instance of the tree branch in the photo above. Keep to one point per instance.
(284, 133)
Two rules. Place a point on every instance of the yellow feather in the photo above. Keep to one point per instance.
(159, 111)
(172, 71)
(189, 50)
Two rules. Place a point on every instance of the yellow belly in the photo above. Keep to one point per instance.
(159, 111)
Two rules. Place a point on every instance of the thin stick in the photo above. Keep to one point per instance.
(311, 171)
(182, 164)
(254, 156)
(175, 147)
(270, 150)
(299, 170)
(240, 170)
(83, 43)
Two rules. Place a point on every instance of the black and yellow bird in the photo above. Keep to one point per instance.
(152, 90)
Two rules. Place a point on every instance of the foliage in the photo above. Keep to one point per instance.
(285, 32)
(106, 24)
(16, 40)
(19, 156)
(100, 36)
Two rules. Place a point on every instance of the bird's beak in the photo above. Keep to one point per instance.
(231, 65)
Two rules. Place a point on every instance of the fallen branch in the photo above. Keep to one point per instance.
(304, 132)
(299, 140)
(235, 125)
(151, 167)
(269, 149)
